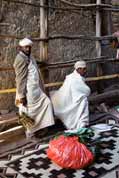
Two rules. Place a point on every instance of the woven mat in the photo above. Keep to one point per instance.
(35, 164)
(25, 149)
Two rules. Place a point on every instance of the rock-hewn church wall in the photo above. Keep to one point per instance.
(23, 20)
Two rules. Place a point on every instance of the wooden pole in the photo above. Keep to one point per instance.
(106, 97)
(18, 130)
(98, 30)
(106, 29)
(98, 44)
(107, 21)
(44, 35)
(43, 31)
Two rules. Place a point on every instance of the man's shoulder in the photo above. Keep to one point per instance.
(19, 57)
(70, 76)
(74, 79)
(19, 60)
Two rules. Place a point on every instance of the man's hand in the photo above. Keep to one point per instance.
(23, 101)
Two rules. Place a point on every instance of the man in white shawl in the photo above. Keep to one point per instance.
(115, 43)
(30, 96)
(70, 102)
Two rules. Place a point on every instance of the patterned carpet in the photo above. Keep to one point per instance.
(30, 161)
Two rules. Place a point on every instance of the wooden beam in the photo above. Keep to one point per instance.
(113, 9)
(106, 97)
(98, 30)
(6, 69)
(54, 37)
(107, 21)
(102, 77)
(102, 59)
(98, 44)
(78, 6)
(11, 90)
(43, 31)
(9, 121)
(75, 37)
(92, 5)
(44, 44)
(11, 132)
(57, 84)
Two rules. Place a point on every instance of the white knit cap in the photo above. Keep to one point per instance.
(80, 64)
(25, 42)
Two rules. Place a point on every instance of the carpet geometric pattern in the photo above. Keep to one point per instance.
(35, 164)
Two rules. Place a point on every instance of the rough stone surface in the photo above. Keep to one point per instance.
(67, 23)
(115, 16)
(23, 20)
(15, 19)
(3, 112)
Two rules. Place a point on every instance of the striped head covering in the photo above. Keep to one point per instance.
(25, 42)
(80, 64)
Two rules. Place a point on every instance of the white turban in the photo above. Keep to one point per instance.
(25, 42)
(80, 64)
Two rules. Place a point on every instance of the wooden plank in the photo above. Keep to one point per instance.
(44, 44)
(43, 31)
(19, 130)
(106, 97)
(55, 84)
(98, 45)
(10, 121)
(12, 139)
(8, 116)
(13, 143)
(11, 90)
(98, 29)
(102, 77)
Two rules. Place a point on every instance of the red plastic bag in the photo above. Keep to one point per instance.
(68, 152)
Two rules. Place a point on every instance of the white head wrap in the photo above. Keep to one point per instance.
(25, 42)
(80, 64)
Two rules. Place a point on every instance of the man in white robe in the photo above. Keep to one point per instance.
(115, 43)
(30, 96)
(70, 102)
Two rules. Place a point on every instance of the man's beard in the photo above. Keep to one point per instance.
(27, 53)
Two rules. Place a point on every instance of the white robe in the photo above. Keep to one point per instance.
(70, 102)
(117, 56)
(39, 106)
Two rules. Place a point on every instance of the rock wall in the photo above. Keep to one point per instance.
(70, 23)
(15, 19)
(23, 20)
(115, 16)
